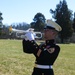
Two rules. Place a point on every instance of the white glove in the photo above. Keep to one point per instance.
(29, 36)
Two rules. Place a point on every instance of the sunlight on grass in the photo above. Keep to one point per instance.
(14, 62)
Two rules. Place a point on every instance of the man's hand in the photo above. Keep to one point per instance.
(29, 36)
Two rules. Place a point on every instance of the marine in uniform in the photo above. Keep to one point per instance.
(45, 53)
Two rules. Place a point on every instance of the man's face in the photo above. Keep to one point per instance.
(49, 34)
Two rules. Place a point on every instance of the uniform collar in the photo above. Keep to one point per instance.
(50, 41)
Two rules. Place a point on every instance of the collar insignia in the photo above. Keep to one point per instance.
(51, 50)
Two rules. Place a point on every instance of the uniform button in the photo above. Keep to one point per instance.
(36, 47)
(43, 47)
(32, 41)
(47, 41)
(45, 44)
(34, 44)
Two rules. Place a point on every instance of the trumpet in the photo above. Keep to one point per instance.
(21, 33)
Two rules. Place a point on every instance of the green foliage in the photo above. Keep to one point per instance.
(63, 17)
(1, 23)
(39, 20)
(74, 23)
(14, 62)
(20, 26)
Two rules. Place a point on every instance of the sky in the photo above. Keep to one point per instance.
(18, 11)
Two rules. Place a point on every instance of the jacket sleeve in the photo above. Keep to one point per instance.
(30, 46)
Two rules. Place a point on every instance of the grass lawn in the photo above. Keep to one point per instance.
(14, 62)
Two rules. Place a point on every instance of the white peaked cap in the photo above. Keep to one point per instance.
(53, 24)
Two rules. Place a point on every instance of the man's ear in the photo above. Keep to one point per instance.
(55, 32)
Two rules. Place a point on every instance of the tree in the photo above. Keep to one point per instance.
(5, 32)
(63, 17)
(1, 23)
(74, 23)
(39, 20)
